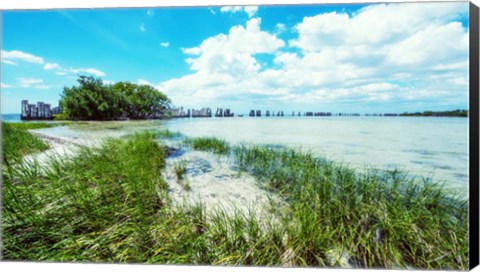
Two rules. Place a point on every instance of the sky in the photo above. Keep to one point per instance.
(373, 58)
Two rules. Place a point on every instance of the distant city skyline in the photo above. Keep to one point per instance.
(374, 58)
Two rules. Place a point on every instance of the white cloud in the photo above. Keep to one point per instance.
(280, 28)
(375, 24)
(51, 66)
(108, 82)
(249, 10)
(9, 62)
(28, 82)
(231, 9)
(35, 83)
(233, 53)
(423, 46)
(386, 54)
(5, 86)
(42, 86)
(61, 73)
(19, 55)
(144, 82)
(142, 27)
(165, 44)
(92, 71)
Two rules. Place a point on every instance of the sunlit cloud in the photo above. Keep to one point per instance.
(92, 71)
(51, 66)
(19, 55)
(249, 10)
(9, 62)
(385, 53)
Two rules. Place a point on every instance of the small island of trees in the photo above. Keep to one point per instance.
(94, 100)
(453, 113)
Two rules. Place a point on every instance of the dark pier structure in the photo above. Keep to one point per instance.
(40, 111)
(221, 113)
(204, 112)
(227, 113)
(180, 113)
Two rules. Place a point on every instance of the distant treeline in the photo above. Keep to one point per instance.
(94, 100)
(454, 113)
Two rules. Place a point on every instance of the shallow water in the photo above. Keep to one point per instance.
(428, 147)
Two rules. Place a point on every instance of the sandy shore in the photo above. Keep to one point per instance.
(212, 180)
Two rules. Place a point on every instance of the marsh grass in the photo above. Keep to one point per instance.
(167, 134)
(180, 169)
(210, 144)
(17, 141)
(36, 125)
(384, 219)
(110, 204)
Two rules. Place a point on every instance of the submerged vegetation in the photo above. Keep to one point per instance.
(214, 145)
(110, 204)
(180, 169)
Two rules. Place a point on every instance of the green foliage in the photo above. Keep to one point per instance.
(17, 142)
(454, 113)
(141, 101)
(93, 100)
(214, 145)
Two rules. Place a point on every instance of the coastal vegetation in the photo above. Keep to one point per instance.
(180, 169)
(94, 100)
(17, 141)
(214, 145)
(111, 204)
(453, 113)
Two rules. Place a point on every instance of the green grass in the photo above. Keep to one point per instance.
(211, 144)
(384, 219)
(98, 206)
(36, 125)
(17, 142)
(166, 134)
(180, 169)
(110, 204)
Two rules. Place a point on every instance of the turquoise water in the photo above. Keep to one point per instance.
(15, 117)
(424, 146)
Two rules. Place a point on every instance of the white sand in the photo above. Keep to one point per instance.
(217, 186)
(60, 147)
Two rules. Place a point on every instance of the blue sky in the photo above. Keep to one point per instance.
(341, 58)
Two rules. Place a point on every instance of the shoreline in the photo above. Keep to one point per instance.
(128, 194)
(213, 184)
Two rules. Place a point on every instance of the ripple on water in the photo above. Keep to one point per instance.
(422, 152)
